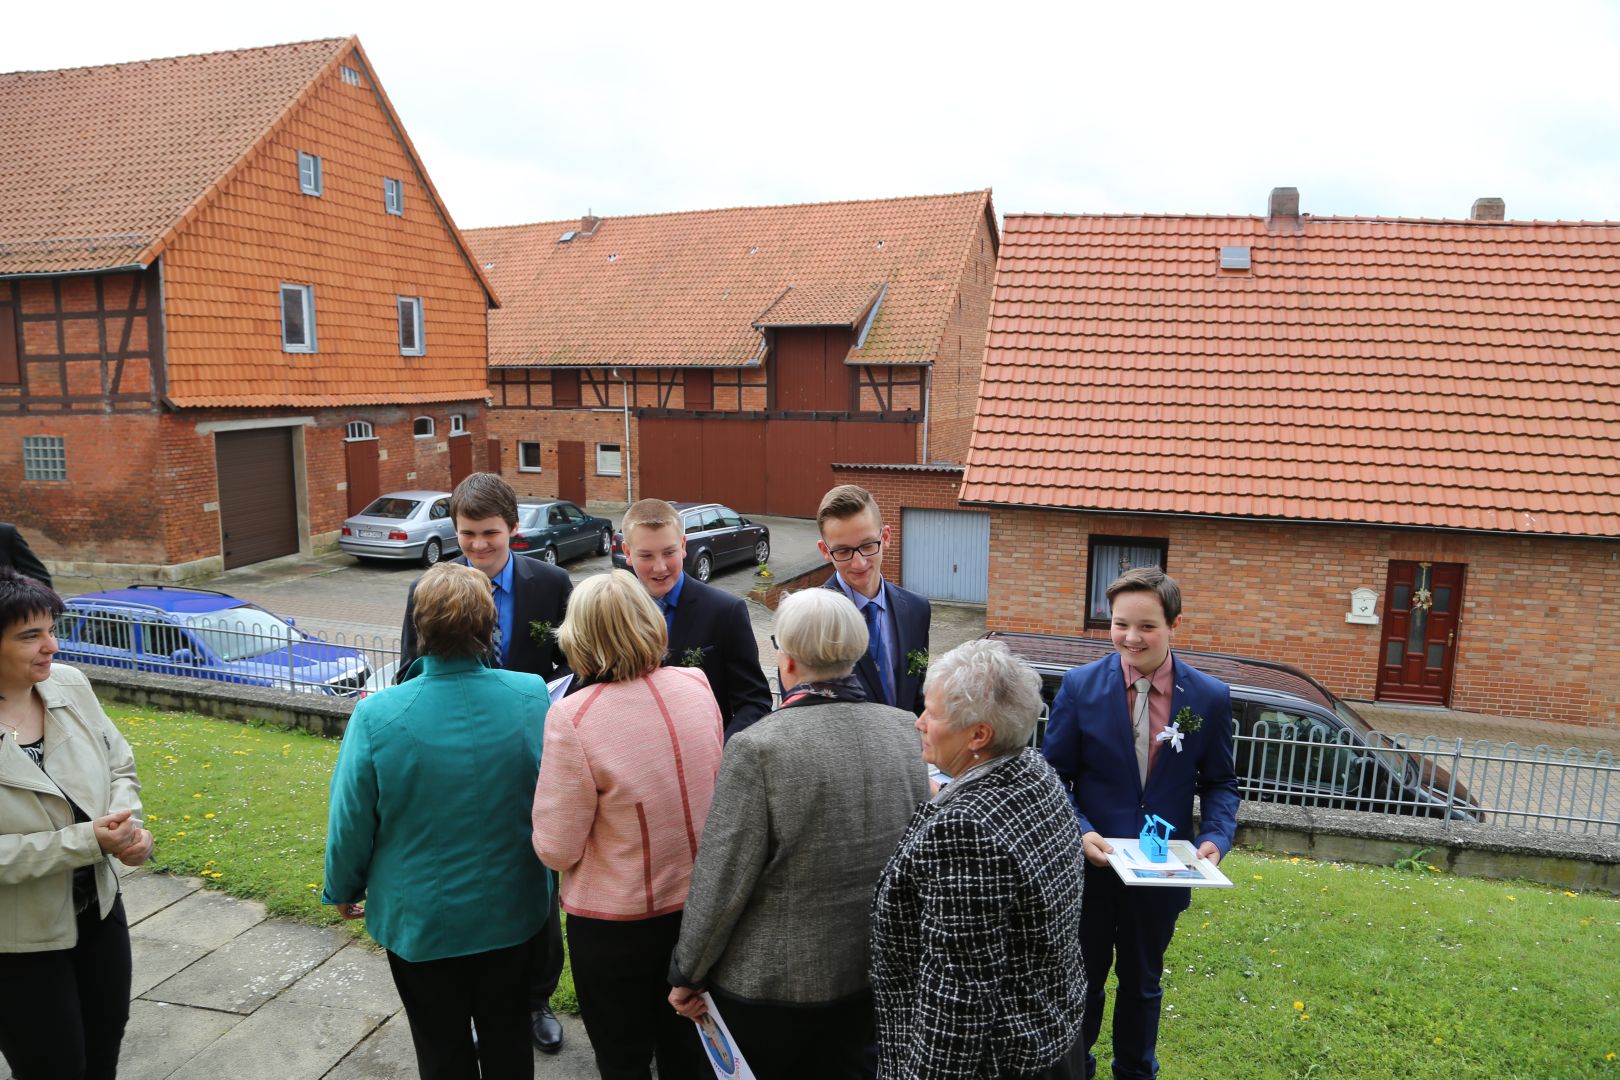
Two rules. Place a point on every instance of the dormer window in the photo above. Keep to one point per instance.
(309, 173)
(393, 196)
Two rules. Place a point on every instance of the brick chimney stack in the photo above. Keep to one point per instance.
(588, 224)
(1282, 210)
(1489, 209)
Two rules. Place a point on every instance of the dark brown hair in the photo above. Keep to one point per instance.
(484, 495)
(21, 597)
(1150, 579)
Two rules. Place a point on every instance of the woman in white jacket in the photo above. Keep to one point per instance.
(69, 805)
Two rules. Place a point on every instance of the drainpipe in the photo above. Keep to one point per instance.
(624, 396)
(928, 384)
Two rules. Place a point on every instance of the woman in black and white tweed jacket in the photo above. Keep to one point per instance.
(976, 963)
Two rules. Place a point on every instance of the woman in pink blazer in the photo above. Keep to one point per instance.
(626, 777)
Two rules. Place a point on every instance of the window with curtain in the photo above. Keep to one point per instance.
(1110, 557)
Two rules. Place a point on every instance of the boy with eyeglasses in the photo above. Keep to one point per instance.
(853, 538)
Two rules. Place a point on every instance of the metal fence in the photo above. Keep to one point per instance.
(245, 646)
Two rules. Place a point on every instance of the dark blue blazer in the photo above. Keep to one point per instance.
(1089, 744)
(540, 593)
(717, 623)
(911, 615)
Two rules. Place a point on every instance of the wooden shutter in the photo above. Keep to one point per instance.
(10, 362)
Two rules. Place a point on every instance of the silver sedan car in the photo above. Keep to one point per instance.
(411, 525)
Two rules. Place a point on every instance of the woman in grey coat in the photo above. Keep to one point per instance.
(808, 806)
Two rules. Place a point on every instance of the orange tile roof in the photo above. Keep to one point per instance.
(105, 165)
(687, 289)
(1449, 374)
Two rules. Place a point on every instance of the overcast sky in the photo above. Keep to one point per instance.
(527, 112)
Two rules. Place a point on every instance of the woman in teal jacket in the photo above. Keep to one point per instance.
(429, 825)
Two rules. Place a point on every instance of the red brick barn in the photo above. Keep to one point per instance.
(232, 309)
(1385, 450)
(733, 355)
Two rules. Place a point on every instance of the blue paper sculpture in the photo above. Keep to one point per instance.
(1156, 844)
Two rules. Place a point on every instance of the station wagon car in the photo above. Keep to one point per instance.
(203, 635)
(716, 536)
(1295, 741)
(559, 530)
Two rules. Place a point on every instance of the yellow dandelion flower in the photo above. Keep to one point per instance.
(1304, 1016)
(208, 815)
(1438, 1041)
(1568, 893)
(196, 794)
(185, 817)
(179, 834)
(1513, 898)
(1609, 1056)
(1257, 877)
(1300, 1006)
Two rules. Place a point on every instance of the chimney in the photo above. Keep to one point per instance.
(1488, 209)
(588, 224)
(1282, 210)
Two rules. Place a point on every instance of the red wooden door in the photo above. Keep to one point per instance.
(571, 472)
(494, 450)
(360, 460)
(460, 458)
(1422, 616)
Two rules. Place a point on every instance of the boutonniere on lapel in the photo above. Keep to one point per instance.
(693, 657)
(917, 662)
(1185, 723)
(540, 633)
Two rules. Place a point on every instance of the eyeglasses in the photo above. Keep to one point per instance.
(867, 550)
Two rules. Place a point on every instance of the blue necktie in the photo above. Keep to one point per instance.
(669, 613)
(880, 655)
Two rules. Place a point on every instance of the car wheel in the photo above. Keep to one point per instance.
(762, 552)
(606, 547)
(549, 555)
(703, 567)
(431, 551)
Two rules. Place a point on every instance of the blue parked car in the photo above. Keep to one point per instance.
(204, 635)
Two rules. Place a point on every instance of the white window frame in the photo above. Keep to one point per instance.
(394, 196)
(537, 466)
(431, 429)
(413, 304)
(617, 459)
(350, 75)
(458, 423)
(307, 294)
(44, 457)
(359, 430)
(309, 173)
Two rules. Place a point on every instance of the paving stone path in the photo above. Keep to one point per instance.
(220, 990)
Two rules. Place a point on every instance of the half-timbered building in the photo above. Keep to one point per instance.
(734, 355)
(232, 309)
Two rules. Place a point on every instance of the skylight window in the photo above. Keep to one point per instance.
(1235, 257)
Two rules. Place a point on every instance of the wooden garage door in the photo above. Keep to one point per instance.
(258, 505)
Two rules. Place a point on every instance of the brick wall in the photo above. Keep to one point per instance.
(954, 394)
(548, 427)
(1534, 638)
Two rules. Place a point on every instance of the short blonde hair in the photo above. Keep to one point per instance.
(453, 610)
(613, 631)
(650, 514)
(846, 501)
(822, 630)
(984, 682)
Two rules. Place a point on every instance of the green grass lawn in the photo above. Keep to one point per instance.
(1304, 970)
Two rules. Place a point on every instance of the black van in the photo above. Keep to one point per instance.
(1295, 742)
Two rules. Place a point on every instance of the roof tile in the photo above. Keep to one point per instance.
(1426, 373)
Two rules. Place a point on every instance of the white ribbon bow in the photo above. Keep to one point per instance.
(1173, 736)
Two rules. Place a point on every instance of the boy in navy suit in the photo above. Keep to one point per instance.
(1135, 734)
(853, 537)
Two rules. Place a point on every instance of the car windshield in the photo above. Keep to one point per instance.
(390, 507)
(241, 633)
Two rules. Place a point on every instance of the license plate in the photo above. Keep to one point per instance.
(370, 534)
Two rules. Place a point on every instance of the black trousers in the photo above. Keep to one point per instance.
(444, 998)
(1128, 930)
(65, 1010)
(547, 963)
(820, 1042)
(621, 971)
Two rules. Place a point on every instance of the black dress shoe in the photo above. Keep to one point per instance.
(547, 1030)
